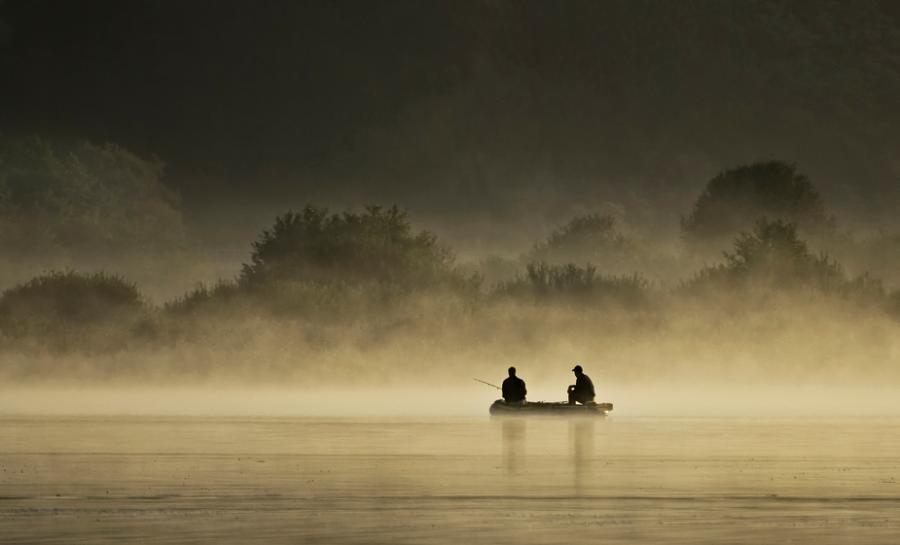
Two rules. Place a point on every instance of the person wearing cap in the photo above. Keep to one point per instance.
(583, 389)
(513, 388)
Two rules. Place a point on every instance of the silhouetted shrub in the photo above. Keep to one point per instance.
(736, 198)
(592, 238)
(94, 312)
(574, 283)
(772, 256)
(376, 246)
(203, 295)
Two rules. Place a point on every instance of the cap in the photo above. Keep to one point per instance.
(577, 368)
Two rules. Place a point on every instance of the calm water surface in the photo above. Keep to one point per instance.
(462, 480)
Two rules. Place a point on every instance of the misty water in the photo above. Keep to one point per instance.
(434, 479)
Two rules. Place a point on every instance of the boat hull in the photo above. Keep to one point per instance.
(553, 408)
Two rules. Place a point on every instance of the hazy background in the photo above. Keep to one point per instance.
(153, 142)
(491, 120)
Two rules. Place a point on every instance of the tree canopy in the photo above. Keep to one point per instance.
(737, 198)
(590, 238)
(772, 256)
(67, 309)
(377, 245)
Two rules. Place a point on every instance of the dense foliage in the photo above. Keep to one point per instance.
(369, 272)
(377, 245)
(68, 310)
(593, 237)
(736, 198)
(773, 257)
(570, 282)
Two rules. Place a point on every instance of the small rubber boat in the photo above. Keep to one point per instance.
(556, 408)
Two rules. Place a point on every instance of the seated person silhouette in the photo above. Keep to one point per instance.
(513, 388)
(583, 389)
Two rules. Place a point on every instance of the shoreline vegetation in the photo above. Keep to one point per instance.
(365, 295)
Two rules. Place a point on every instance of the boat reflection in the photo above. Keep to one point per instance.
(513, 444)
(581, 448)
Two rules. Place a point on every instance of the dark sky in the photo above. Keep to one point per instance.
(468, 111)
(222, 88)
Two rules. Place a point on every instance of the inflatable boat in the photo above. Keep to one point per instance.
(557, 408)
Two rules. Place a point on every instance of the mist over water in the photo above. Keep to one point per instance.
(651, 399)
(252, 257)
(323, 393)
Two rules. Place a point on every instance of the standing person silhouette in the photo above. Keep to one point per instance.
(583, 389)
(513, 388)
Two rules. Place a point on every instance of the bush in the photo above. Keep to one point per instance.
(737, 198)
(772, 256)
(201, 296)
(376, 246)
(71, 310)
(592, 238)
(578, 284)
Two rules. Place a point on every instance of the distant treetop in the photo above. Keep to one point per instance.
(590, 238)
(771, 255)
(377, 245)
(737, 198)
(69, 310)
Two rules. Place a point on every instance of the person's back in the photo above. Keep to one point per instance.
(583, 389)
(513, 388)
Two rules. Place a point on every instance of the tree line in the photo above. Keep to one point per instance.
(338, 267)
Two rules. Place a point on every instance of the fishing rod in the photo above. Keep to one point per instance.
(488, 383)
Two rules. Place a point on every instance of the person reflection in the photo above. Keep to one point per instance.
(581, 444)
(513, 444)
